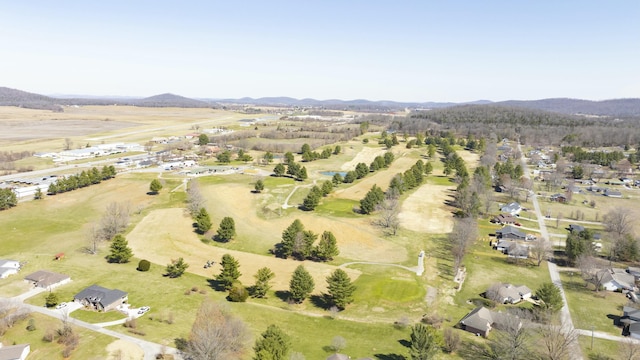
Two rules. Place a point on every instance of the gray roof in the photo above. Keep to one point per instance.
(12, 352)
(631, 312)
(512, 207)
(510, 230)
(8, 263)
(338, 357)
(516, 249)
(620, 276)
(508, 291)
(479, 318)
(45, 278)
(98, 294)
(576, 228)
(634, 328)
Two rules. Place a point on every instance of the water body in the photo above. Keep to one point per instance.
(331, 173)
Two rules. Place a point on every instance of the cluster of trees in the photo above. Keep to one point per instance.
(298, 243)
(8, 199)
(507, 168)
(294, 169)
(411, 178)
(84, 179)
(388, 141)
(225, 156)
(374, 196)
(340, 289)
(603, 158)
(313, 197)
(308, 155)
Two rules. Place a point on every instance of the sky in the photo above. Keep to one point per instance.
(399, 50)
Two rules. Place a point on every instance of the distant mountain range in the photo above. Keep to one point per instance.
(614, 108)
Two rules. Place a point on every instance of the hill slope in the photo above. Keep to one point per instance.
(615, 107)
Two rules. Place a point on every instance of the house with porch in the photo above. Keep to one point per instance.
(101, 299)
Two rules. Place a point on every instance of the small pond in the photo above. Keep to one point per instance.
(331, 173)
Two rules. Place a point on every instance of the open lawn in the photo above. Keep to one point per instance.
(425, 209)
(589, 308)
(602, 349)
(92, 346)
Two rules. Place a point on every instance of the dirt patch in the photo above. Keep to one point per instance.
(157, 242)
(471, 159)
(124, 350)
(425, 210)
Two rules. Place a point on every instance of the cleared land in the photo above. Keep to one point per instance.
(425, 209)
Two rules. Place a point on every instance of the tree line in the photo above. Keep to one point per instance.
(83, 179)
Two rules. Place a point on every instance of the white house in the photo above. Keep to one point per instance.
(513, 208)
(615, 279)
(8, 267)
(14, 352)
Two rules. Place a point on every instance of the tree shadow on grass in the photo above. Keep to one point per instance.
(283, 295)
(320, 301)
(215, 285)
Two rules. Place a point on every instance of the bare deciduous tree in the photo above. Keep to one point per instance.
(618, 222)
(493, 293)
(389, 210)
(629, 350)
(68, 144)
(195, 199)
(216, 334)
(10, 313)
(464, 232)
(591, 270)
(554, 342)
(539, 250)
(114, 220)
(511, 341)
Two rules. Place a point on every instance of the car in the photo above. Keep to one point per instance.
(143, 310)
(517, 224)
(61, 305)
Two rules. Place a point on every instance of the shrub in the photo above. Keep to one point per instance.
(131, 323)
(451, 340)
(238, 293)
(434, 320)
(181, 343)
(144, 265)
(32, 325)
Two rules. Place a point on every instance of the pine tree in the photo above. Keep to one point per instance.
(262, 286)
(289, 236)
(259, 186)
(301, 284)
(273, 344)
(340, 288)
(155, 186)
(550, 296)
(227, 229)
(327, 248)
(120, 250)
(301, 174)
(312, 199)
(203, 221)
(51, 300)
(424, 345)
(176, 268)
(229, 273)
(279, 170)
(428, 168)
(327, 186)
(303, 244)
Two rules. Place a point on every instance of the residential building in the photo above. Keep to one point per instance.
(8, 267)
(512, 208)
(510, 232)
(615, 279)
(101, 299)
(481, 320)
(47, 279)
(14, 352)
(510, 294)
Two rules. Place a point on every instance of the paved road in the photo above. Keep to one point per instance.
(565, 315)
(150, 349)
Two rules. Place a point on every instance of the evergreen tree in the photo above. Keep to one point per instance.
(337, 150)
(337, 179)
(428, 168)
(203, 221)
(268, 157)
(51, 300)
(312, 199)
(301, 284)
(550, 296)
(361, 170)
(229, 273)
(293, 169)
(120, 250)
(259, 186)
(262, 285)
(279, 170)
(273, 344)
(350, 177)
(203, 139)
(327, 248)
(8, 199)
(424, 345)
(373, 197)
(305, 148)
(289, 236)
(388, 158)
(288, 158)
(155, 186)
(38, 195)
(302, 173)
(303, 245)
(52, 190)
(176, 268)
(327, 186)
(227, 229)
(340, 288)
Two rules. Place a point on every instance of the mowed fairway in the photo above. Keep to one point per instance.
(425, 209)
(357, 239)
(167, 234)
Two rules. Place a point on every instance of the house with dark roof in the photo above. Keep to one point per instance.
(14, 352)
(561, 198)
(510, 232)
(576, 228)
(481, 320)
(47, 279)
(101, 299)
(613, 193)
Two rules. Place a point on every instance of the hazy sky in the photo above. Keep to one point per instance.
(393, 50)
